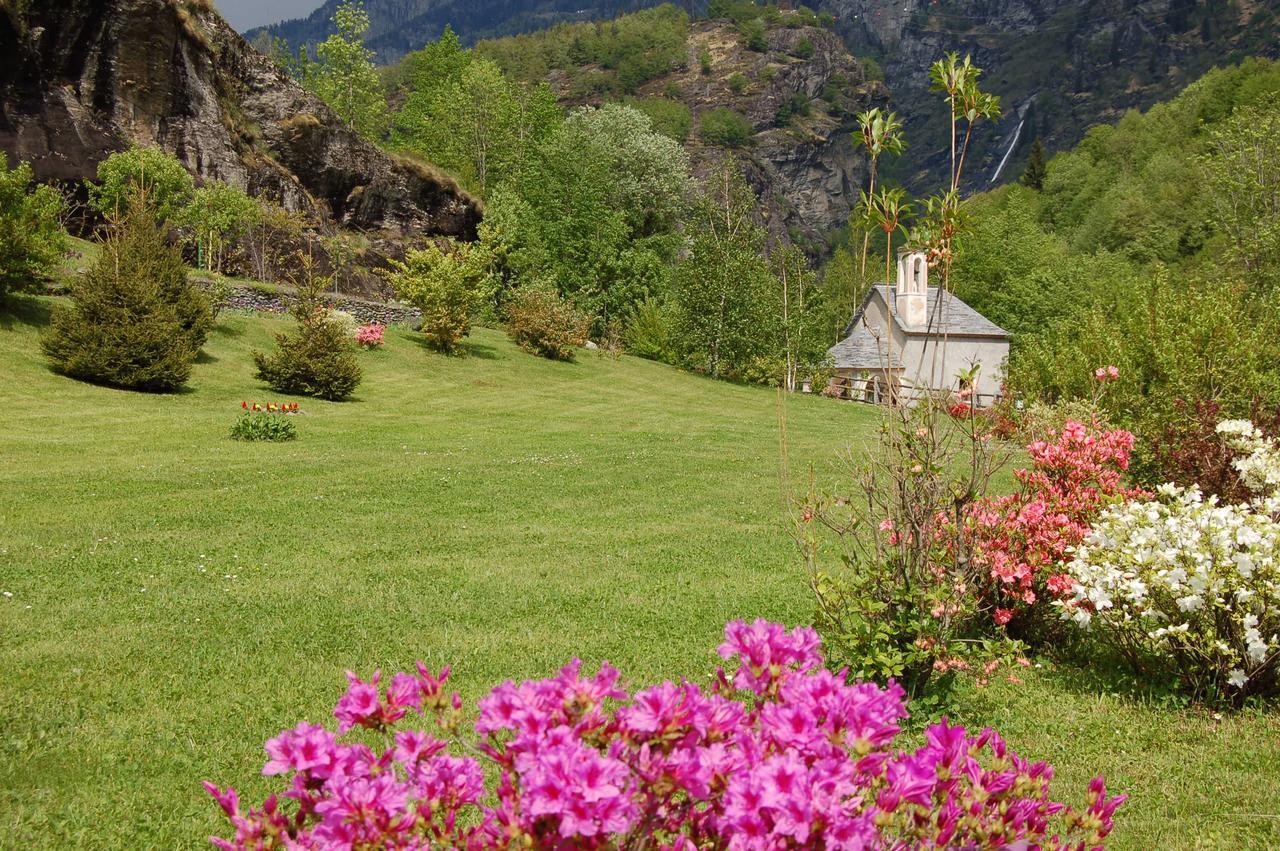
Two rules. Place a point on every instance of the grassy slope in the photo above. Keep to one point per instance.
(498, 512)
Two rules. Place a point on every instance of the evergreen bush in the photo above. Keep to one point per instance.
(319, 358)
(135, 321)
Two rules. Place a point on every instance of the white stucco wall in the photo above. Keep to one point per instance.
(936, 365)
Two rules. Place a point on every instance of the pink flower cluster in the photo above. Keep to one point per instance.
(1105, 374)
(1021, 541)
(778, 753)
(370, 336)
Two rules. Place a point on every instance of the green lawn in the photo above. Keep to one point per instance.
(178, 597)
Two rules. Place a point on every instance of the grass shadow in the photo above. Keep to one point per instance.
(17, 310)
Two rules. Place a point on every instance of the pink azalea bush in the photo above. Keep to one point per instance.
(370, 336)
(1021, 542)
(777, 753)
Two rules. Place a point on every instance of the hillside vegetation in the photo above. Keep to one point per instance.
(1153, 244)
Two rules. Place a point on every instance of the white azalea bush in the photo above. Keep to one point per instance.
(1182, 586)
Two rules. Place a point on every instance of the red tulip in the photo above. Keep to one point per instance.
(244, 404)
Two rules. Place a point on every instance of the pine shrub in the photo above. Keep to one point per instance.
(319, 358)
(135, 321)
(541, 322)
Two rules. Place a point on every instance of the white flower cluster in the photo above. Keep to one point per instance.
(1259, 468)
(1183, 577)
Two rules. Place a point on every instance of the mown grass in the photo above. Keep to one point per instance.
(179, 597)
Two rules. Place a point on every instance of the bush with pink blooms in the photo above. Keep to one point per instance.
(1021, 542)
(370, 336)
(778, 752)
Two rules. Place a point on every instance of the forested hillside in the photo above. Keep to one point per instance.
(773, 89)
(402, 26)
(1154, 244)
(1061, 65)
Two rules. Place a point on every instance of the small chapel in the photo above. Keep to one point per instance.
(908, 339)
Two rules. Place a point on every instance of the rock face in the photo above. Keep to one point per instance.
(1060, 66)
(805, 170)
(85, 78)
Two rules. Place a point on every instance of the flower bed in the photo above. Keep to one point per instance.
(779, 752)
(271, 421)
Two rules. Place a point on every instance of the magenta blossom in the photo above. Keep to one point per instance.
(780, 753)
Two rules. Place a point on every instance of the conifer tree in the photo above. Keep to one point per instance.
(1034, 176)
(319, 359)
(135, 321)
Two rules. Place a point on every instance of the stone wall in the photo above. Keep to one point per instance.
(263, 300)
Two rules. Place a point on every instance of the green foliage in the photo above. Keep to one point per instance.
(629, 51)
(134, 320)
(725, 127)
(668, 116)
(737, 83)
(32, 241)
(651, 331)
(722, 287)
(463, 114)
(595, 216)
(753, 35)
(1152, 246)
(1242, 176)
(217, 215)
(343, 75)
(1022, 277)
(448, 286)
(265, 426)
(1172, 340)
(541, 322)
(795, 106)
(137, 172)
(804, 49)
(1033, 176)
(319, 358)
(704, 60)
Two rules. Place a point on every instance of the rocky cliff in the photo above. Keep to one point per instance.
(1060, 65)
(804, 169)
(85, 78)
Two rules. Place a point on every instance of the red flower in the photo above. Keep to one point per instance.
(244, 405)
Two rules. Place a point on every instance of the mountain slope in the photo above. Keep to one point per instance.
(400, 26)
(93, 76)
(1060, 65)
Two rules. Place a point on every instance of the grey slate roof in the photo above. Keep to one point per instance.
(862, 348)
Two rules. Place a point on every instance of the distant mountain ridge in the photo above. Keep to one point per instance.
(401, 26)
(1060, 65)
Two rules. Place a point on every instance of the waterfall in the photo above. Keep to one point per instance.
(1016, 136)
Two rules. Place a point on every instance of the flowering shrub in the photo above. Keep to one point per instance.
(779, 753)
(1189, 450)
(343, 321)
(370, 336)
(269, 422)
(1019, 542)
(1185, 587)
